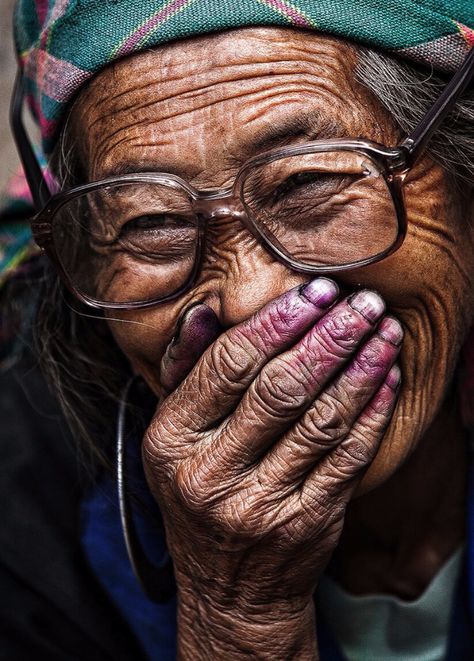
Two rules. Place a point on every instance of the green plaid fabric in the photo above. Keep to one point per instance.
(61, 43)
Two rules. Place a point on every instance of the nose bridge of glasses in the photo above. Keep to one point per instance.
(213, 207)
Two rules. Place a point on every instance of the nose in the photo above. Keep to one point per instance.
(222, 206)
(250, 285)
(239, 274)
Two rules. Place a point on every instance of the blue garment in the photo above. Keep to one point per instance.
(155, 624)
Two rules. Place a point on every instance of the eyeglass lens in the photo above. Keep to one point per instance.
(137, 242)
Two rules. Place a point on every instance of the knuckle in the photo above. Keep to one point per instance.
(381, 408)
(243, 519)
(151, 445)
(370, 436)
(157, 451)
(351, 392)
(369, 361)
(188, 489)
(312, 499)
(324, 422)
(301, 526)
(338, 335)
(232, 511)
(272, 325)
(355, 451)
(316, 503)
(230, 360)
(239, 521)
(278, 392)
(182, 404)
(350, 457)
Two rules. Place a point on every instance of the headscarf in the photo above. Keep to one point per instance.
(62, 43)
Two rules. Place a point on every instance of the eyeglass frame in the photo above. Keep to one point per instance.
(393, 163)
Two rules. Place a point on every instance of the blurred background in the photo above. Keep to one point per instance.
(8, 158)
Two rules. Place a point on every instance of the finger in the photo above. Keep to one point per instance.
(336, 476)
(196, 329)
(287, 386)
(306, 509)
(226, 369)
(338, 410)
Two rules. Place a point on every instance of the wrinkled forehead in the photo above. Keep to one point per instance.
(203, 103)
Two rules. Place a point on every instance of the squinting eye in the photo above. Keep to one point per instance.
(314, 183)
(145, 222)
(303, 178)
(300, 179)
(154, 222)
(159, 235)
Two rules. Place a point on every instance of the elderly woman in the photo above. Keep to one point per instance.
(271, 229)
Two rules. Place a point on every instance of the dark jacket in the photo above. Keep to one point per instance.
(51, 605)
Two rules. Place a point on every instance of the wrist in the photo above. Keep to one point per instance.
(215, 629)
(257, 601)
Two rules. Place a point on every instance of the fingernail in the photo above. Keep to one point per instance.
(198, 327)
(394, 378)
(369, 304)
(181, 319)
(322, 292)
(391, 330)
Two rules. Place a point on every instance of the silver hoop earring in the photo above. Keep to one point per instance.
(156, 580)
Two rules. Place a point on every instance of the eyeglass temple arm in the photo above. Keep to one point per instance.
(33, 172)
(416, 142)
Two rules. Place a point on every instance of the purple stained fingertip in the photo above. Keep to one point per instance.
(391, 330)
(196, 329)
(394, 378)
(367, 303)
(322, 292)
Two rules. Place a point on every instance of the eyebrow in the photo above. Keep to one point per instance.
(309, 125)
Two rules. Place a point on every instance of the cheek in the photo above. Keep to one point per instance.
(143, 336)
(433, 272)
(435, 258)
(429, 285)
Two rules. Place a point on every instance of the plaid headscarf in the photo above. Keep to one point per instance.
(62, 43)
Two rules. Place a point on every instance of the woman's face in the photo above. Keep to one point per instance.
(199, 109)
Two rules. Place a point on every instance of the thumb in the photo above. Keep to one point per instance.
(197, 328)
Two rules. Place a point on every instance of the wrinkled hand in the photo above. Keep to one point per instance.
(254, 456)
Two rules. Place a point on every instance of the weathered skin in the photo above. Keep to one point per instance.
(260, 449)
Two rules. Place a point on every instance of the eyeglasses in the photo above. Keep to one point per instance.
(137, 240)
